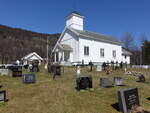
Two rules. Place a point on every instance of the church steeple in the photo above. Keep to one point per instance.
(75, 20)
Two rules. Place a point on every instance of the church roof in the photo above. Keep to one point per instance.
(96, 36)
(126, 52)
(75, 12)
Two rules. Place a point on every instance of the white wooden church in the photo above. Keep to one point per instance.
(77, 45)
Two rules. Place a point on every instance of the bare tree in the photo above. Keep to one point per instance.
(128, 41)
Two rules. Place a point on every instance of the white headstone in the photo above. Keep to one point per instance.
(99, 68)
(45, 66)
(4, 71)
(78, 71)
(17, 62)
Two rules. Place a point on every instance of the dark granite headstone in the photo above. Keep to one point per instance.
(104, 65)
(118, 81)
(57, 70)
(141, 78)
(84, 82)
(16, 71)
(35, 66)
(28, 78)
(3, 96)
(104, 82)
(90, 66)
(128, 98)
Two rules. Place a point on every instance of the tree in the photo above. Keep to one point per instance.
(128, 41)
(146, 52)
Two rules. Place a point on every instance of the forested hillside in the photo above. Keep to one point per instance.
(16, 43)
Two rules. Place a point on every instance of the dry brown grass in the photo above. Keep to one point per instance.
(60, 96)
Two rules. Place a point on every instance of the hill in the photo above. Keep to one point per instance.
(16, 43)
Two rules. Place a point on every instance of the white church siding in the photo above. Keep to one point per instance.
(71, 39)
(94, 51)
(126, 60)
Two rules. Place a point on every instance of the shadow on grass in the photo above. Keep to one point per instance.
(115, 106)
(148, 98)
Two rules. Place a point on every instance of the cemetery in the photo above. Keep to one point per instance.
(77, 89)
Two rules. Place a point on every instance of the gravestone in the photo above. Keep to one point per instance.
(28, 78)
(78, 71)
(99, 68)
(104, 82)
(128, 98)
(118, 81)
(57, 70)
(141, 78)
(3, 96)
(84, 83)
(4, 71)
(51, 68)
(104, 65)
(35, 66)
(16, 71)
(90, 66)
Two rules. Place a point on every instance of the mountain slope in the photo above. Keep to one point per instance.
(16, 43)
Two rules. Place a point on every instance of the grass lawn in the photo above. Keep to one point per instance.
(60, 96)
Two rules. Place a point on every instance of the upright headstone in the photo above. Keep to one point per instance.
(28, 78)
(90, 66)
(78, 71)
(141, 78)
(84, 82)
(128, 98)
(104, 65)
(104, 82)
(3, 96)
(4, 71)
(35, 66)
(16, 71)
(118, 81)
(99, 68)
(57, 70)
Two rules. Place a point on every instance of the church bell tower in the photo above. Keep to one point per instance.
(75, 21)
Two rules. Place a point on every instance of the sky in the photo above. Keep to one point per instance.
(109, 17)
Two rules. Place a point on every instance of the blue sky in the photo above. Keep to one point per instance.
(109, 17)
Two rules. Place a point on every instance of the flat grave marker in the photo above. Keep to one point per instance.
(128, 98)
(28, 78)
